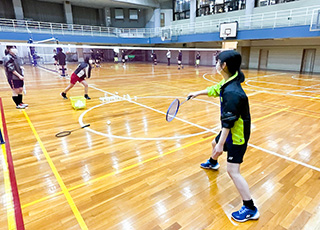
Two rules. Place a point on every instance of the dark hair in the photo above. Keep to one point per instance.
(10, 47)
(233, 61)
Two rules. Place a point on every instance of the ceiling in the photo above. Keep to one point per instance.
(114, 3)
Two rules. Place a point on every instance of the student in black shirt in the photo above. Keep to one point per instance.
(62, 61)
(14, 72)
(235, 122)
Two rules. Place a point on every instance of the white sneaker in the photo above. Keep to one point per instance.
(26, 105)
(21, 106)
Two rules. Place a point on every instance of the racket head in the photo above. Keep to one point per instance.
(172, 110)
(63, 134)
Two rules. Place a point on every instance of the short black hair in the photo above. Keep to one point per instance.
(233, 61)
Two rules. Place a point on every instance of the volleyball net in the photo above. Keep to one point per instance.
(42, 53)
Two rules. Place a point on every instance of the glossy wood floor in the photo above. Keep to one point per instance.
(141, 172)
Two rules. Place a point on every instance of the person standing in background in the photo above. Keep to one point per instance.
(180, 60)
(168, 57)
(62, 61)
(198, 59)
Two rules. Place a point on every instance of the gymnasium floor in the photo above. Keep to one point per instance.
(141, 172)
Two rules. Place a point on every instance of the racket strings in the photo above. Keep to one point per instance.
(63, 134)
(173, 109)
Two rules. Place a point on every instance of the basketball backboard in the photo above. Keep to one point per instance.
(228, 30)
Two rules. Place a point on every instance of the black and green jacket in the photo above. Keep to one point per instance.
(235, 111)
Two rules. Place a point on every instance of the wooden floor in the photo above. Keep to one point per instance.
(141, 172)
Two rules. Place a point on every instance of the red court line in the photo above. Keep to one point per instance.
(14, 187)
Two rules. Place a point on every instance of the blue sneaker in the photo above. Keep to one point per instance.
(245, 214)
(208, 165)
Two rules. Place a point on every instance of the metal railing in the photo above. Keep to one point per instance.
(283, 18)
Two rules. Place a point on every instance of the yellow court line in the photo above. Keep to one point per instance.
(58, 177)
(7, 184)
(290, 111)
(316, 97)
(42, 199)
(140, 163)
(135, 165)
(118, 171)
(8, 193)
(270, 114)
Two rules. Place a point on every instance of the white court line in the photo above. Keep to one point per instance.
(139, 138)
(302, 79)
(207, 78)
(215, 132)
(254, 93)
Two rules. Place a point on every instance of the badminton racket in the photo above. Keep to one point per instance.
(67, 133)
(174, 107)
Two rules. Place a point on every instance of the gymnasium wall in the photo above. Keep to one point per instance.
(43, 11)
(284, 55)
(6, 9)
(126, 22)
(85, 16)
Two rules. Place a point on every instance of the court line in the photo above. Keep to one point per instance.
(270, 114)
(129, 167)
(203, 76)
(171, 151)
(57, 175)
(13, 181)
(302, 79)
(262, 149)
(119, 171)
(7, 187)
(144, 138)
(212, 131)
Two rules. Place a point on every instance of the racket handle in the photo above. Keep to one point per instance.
(189, 97)
(85, 126)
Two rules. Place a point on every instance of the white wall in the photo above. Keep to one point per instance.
(168, 14)
(285, 55)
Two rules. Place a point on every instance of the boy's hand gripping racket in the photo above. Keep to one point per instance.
(67, 133)
(174, 107)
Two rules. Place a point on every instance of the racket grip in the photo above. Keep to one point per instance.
(85, 126)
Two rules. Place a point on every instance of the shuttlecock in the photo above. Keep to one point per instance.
(108, 122)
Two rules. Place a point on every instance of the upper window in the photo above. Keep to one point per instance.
(270, 2)
(181, 9)
(118, 14)
(133, 14)
(207, 7)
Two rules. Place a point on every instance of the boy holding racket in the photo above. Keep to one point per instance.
(235, 133)
(83, 70)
